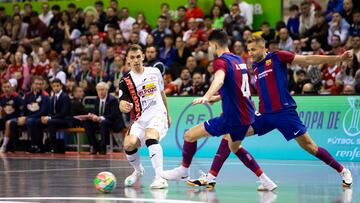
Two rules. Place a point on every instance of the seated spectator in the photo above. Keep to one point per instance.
(167, 53)
(58, 116)
(223, 7)
(293, 22)
(19, 71)
(357, 81)
(19, 28)
(217, 17)
(170, 88)
(160, 31)
(121, 45)
(97, 44)
(273, 45)
(84, 78)
(355, 42)
(319, 30)
(186, 82)
(285, 41)
(76, 106)
(336, 48)
(46, 15)
(126, 23)
(67, 54)
(181, 55)
(194, 35)
(55, 9)
(301, 80)
(118, 72)
(348, 70)
(99, 6)
(209, 74)
(348, 11)
(111, 19)
(334, 6)
(354, 29)
(144, 25)
(109, 64)
(36, 104)
(328, 78)
(181, 17)
(56, 72)
(98, 72)
(11, 105)
(306, 17)
(234, 24)
(135, 39)
(338, 26)
(28, 9)
(314, 71)
(239, 49)
(61, 31)
(348, 89)
(5, 45)
(198, 88)
(50, 53)
(308, 89)
(141, 32)
(37, 30)
(43, 67)
(165, 11)
(105, 117)
(150, 40)
(177, 30)
(267, 33)
(152, 60)
(194, 11)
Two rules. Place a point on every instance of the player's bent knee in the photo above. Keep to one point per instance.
(188, 137)
(130, 143)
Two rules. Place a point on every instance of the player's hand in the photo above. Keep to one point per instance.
(125, 106)
(346, 56)
(201, 100)
(214, 99)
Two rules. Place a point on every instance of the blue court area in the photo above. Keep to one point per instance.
(68, 178)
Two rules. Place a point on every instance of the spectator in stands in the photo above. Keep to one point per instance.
(285, 41)
(28, 9)
(357, 81)
(194, 35)
(19, 28)
(37, 30)
(84, 78)
(152, 60)
(105, 117)
(141, 20)
(338, 26)
(354, 29)
(56, 72)
(177, 30)
(19, 71)
(319, 30)
(301, 80)
(46, 14)
(247, 11)
(135, 39)
(198, 88)
(170, 88)
(313, 71)
(234, 24)
(116, 74)
(336, 48)
(356, 46)
(308, 89)
(217, 17)
(307, 19)
(11, 105)
(83, 48)
(348, 70)
(267, 32)
(36, 104)
(126, 23)
(328, 78)
(59, 115)
(223, 7)
(334, 6)
(50, 53)
(238, 48)
(43, 66)
(181, 17)
(293, 22)
(55, 9)
(193, 11)
(165, 11)
(97, 44)
(186, 82)
(273, 45)
(115, 5)
(120, 44)
(67, 54)
(348, 11)
(5, 45)
(167, 53)
(160, 31)
(291, 81)
(99, 6)
(109, 65)
(61, 31)
(111, 18)
(71, 8)
(3, 16)
(141, 32)
(182, 52)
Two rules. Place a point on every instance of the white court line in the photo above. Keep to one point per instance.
(16, 202)
(99, 198)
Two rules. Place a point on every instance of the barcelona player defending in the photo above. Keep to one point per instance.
(232, 81)
(277, 107)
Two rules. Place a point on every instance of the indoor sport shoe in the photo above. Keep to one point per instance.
(266, 184)
(203, 181)
(179, 173)
(159, 183)
(346, 177)
(131, 179)
(2, 149)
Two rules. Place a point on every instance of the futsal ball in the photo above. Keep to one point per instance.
(105, 182)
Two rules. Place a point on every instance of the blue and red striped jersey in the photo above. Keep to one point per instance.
(272, 82)
(238, 108)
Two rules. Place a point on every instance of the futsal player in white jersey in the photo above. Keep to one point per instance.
(142, 94)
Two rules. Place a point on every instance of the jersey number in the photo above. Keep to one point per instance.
(245, 87)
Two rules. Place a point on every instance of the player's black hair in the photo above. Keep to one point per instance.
(220, 37)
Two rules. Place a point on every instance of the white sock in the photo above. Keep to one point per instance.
(263, 177)
(6, 141)
(211, 176)
(156, 156)
(134, 160)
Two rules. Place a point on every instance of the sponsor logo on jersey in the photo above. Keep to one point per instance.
(147, 90)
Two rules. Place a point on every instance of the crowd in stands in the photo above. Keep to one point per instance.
(80, 49)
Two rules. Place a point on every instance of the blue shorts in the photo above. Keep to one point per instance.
(287, 121)
(218, 127)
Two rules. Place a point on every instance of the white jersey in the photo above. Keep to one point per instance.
(144, 91)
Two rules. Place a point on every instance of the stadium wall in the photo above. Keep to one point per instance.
(333, 122)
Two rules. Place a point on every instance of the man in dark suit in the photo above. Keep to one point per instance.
(36, 104)
(59, 112)
(105, 117)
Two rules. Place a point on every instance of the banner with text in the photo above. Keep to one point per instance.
(332, 121)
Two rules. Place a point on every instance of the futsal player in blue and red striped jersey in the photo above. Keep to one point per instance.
(276, 106)
(231, 80)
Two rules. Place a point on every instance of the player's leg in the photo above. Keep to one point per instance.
(307, 143)
(131, 145)
(189, 148)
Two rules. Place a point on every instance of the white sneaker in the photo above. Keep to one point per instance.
(2, 149)
(266, 184)
(267, 196)
(179, 173)
(159, 183)
(131, 179)
(346, 177)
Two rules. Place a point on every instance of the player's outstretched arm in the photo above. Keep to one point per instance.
(321, 59)
(214, 88)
